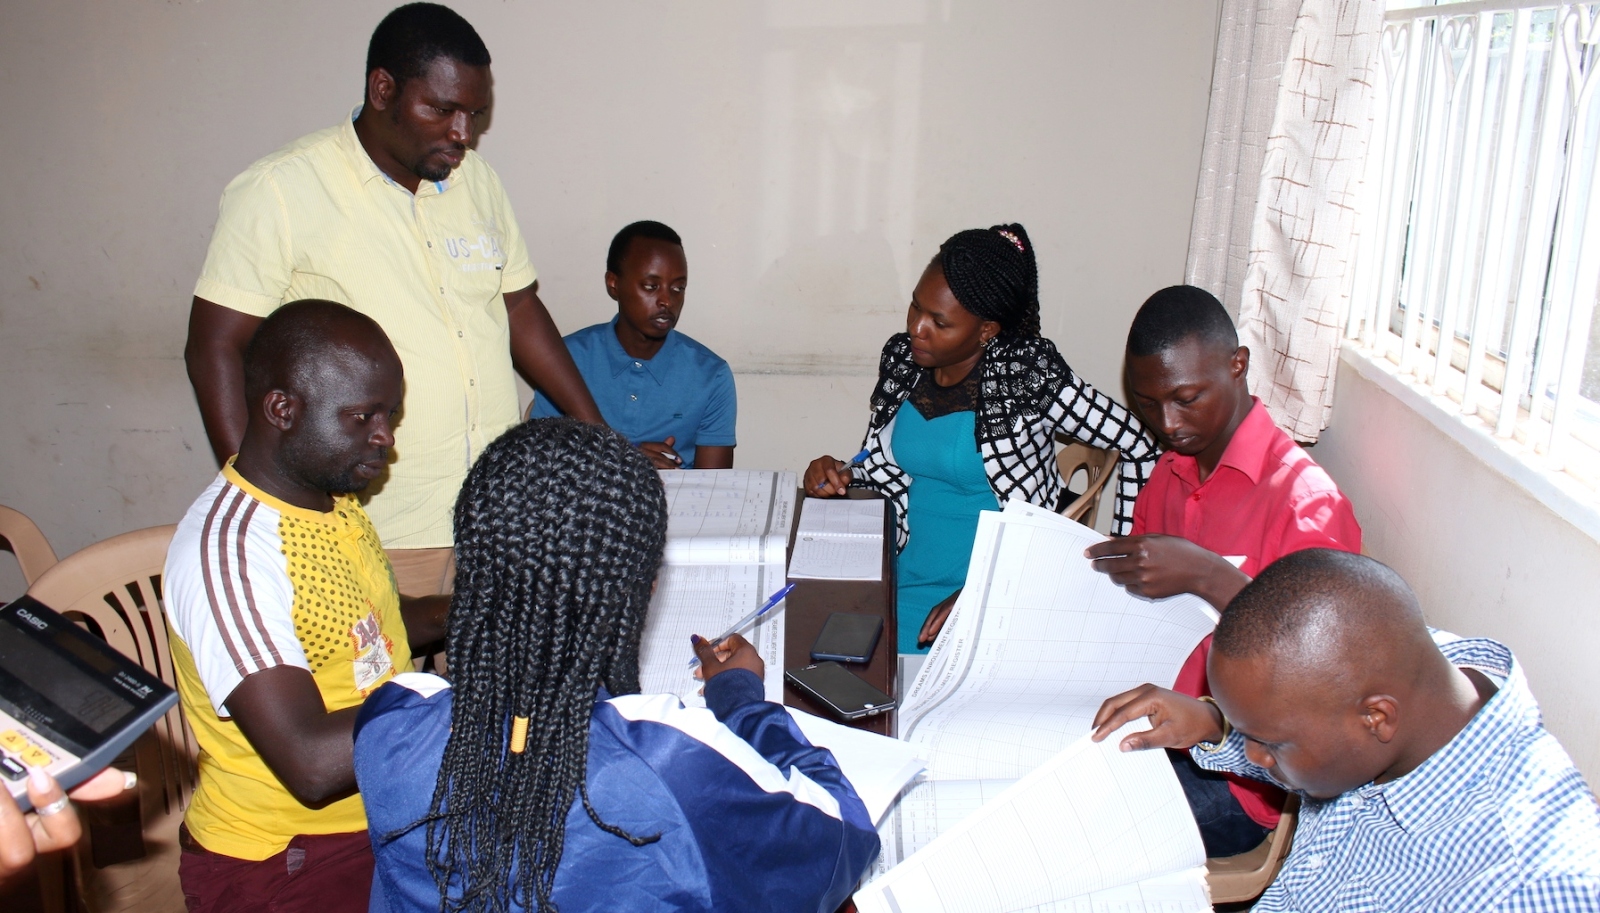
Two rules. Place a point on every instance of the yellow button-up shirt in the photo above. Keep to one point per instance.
(317, 219)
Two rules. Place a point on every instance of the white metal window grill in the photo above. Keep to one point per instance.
(1479, 262)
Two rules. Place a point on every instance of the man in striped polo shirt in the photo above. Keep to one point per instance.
(285, 616)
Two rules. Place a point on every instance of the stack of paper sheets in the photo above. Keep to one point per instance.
(727, 534)
(1092, 829)
(1036, 642)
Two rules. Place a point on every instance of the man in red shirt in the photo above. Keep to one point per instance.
(1232, 494)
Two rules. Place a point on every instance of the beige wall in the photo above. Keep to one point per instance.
(1485, 557)
(813, 154)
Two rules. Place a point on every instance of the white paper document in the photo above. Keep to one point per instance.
(705, 599)
(1091, 819)
(1036, 642)
(1017, 810)
(727, 533)
(877, 766)
(728, 516)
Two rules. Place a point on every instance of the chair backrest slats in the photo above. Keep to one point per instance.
(115, 586)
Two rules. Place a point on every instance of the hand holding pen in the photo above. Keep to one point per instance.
(733, 653)
(827, 477)
(662, 454)
(741, 624)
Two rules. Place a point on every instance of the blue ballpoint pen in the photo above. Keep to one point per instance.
(739, 625)
(855, 461)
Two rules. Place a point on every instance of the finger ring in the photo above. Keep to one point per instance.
(54, 808)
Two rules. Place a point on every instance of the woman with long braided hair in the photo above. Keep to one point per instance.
(539, 779)
(988, 395)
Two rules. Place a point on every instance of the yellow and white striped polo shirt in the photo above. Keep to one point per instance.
(252, 583)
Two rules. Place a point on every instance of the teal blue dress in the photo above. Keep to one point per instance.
(948, 490)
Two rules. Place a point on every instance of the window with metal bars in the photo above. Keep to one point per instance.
(1479, 264)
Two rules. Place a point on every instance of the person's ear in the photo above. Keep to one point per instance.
(611, 284)
(281, 409)
(381, 89)
(1239, 363)
(1380, 716)
(988, 330)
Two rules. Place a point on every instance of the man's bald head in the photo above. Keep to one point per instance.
(323, 386)
(1322, 607)
(1325, 664)
(301, 336)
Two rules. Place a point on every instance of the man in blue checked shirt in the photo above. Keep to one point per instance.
(1427, 779)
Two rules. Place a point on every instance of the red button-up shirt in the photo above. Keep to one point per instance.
(1266, 499)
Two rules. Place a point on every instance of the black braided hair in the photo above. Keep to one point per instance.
(559, 533)
(994, 274)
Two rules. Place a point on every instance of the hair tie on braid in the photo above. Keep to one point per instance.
(994, 274)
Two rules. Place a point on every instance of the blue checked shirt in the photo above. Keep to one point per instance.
(1498, 819)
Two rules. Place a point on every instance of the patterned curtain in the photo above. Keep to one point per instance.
(1252, 44)
(1303, 177)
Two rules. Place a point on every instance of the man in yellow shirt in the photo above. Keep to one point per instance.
(392, 213)
(284, 617)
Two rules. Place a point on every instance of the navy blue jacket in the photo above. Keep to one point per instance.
(752, 816)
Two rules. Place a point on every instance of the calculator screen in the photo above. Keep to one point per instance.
(53, 678)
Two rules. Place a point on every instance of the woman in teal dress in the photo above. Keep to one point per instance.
(987, 395)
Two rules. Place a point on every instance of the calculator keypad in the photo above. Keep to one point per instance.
(22, 750)
(19, 747)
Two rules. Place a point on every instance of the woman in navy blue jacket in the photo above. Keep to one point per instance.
(539, 778)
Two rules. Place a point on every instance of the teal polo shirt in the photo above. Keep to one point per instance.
(685, 392)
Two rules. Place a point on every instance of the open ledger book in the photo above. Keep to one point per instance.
(839, 539)
(1036, 642)
(727, 534)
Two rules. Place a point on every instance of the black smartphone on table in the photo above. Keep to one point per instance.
(847, 637)
(841, 691)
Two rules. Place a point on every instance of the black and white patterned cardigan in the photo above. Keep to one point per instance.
(1026, 394)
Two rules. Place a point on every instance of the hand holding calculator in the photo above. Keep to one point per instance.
(69, 704)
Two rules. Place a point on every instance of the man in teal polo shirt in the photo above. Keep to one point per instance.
(670, 396)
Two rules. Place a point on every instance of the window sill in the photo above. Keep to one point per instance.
(1556, 490)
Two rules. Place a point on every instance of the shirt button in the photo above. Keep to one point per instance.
(637, 365)
(633, 396)
(460, 334)
(472, 383)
